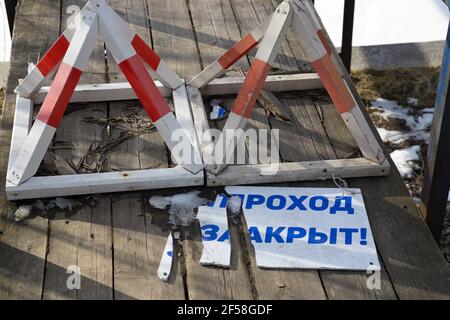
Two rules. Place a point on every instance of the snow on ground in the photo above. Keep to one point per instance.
(405, 160)
(414, 129)
(406, 141)
(417, 123)
(399, 21)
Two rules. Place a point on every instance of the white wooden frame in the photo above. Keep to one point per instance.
(105, 182)
(290, 171)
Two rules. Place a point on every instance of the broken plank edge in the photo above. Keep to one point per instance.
(298, 171)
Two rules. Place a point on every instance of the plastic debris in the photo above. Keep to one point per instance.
(165, 265)
(216, 253)
(218, 112)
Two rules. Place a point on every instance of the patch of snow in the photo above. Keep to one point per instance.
(392, 136)
(404, 160)
(181, 208)
(159, 202)
(418, 126)
(234, 205)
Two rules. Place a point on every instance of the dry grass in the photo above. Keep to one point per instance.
(399, 84)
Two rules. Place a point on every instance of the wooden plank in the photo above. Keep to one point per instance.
(173, 36)
(139, 238)
(82, 240)
(213, 283)
(91, 227)
(140, 235)
(22, 261)
(216, 30)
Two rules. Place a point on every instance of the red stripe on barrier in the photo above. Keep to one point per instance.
(146, 90)
(145, 52)
(237, 51)
(251, 88)
(53, 56)
(335, 85)
(59, 95)
(324, 41)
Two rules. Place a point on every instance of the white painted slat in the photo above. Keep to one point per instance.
(102, 92)
(217, 253)
(165, 265)
(23, 116)
(105, 182)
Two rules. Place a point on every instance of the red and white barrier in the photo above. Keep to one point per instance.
(118, 42)
(71, 52)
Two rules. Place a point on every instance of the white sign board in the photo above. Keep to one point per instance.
(304, 228)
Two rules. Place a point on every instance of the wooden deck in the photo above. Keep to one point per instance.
(118, 242)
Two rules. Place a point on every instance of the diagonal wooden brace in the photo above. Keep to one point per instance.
(317, 49)
(159, 68)
(130, 63)
(47, 66)
(221, 155)
(240, 49)
(41, 134)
